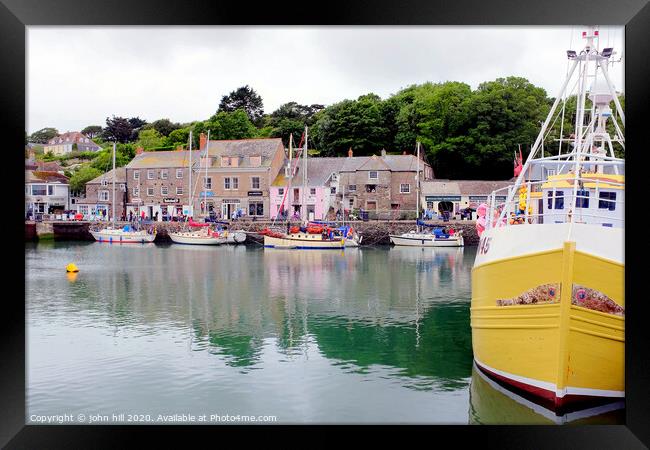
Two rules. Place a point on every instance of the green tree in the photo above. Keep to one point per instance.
(149, 139)
(43, 135)
(244, 98)
(351, 123)
(163, 126)
(82, 176)
(227, 125)
(104, 159)
(118, 129)
(92, 131)
(178, 137)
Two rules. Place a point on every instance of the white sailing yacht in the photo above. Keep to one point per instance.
(125, 235)
(420, 238)
(198, 233)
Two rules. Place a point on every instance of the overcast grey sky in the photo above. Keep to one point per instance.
(78, 76)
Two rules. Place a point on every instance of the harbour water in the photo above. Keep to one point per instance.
(370, 335)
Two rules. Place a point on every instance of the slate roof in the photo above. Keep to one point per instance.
(394, 163)
(72, 137)
(318, 171)
(244, 149)
(163, 159)
(38, 176)
(120, 176)
(462, 187)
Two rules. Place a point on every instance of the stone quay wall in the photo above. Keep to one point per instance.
(375, 232)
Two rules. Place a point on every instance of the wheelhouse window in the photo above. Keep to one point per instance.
(582, 199)
(559, 200)
(607, 200)
(373, 175)
(405, 188)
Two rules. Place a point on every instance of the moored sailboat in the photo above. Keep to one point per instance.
(122, 235)
(437, 237)
(548, 309)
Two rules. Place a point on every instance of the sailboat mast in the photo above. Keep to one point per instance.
(205, 187)
(417, 184)
(189, 187)
(113, 202)
(289, 193)
(304, 181)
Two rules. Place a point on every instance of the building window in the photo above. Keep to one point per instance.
(281, 191)
(352, 188)
(225, 161)
(582, 199)
(296, 194)
(256, 209)
(226, 183)
(179, 191)
(163, 174)
(39, 189)
(179, 173)
(235, 183)
(559, 200)
(312, 191)
(551, 172)
(255, 182)
(104, 182)
(607, 200)
(123, 187)
(351, 203)
(136, 191)
(136, 174)
(373, 175)
(103, 196)
(150, 191)
(371, 188)
(333, 190)
(164, 190)
(405, 188)
(50, 190)
(207, 182)
(150, 174)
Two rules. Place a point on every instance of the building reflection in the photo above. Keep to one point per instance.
(405, 309)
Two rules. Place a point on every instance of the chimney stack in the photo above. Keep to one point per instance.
(203, 140)
(350, 152)
(139, 150)
(383, 152)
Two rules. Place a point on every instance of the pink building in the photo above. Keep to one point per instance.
(317, 200)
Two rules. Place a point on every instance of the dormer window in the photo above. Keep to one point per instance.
(225, 161)
(256, 161)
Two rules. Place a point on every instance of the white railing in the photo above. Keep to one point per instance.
(572, 210)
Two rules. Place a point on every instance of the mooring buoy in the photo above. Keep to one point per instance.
(71, 268)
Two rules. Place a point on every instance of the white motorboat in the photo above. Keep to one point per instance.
(418, 239)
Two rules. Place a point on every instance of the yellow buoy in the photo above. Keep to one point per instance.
(71, 268)
(72, 276)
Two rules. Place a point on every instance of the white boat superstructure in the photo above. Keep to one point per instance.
(199, 237)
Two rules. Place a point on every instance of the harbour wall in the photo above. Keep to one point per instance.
(374, 232)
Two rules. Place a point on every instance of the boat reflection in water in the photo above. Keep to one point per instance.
(492, 403)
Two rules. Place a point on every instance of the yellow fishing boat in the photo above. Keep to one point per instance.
(548, 308)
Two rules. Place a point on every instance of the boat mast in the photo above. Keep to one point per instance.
(417, 186)
(205, 182)
(304, 182)
(113, 202)
(289, 193)
(189, 186)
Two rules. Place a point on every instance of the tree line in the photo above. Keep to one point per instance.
(465, 133)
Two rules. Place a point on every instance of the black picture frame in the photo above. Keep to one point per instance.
(15, 15)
